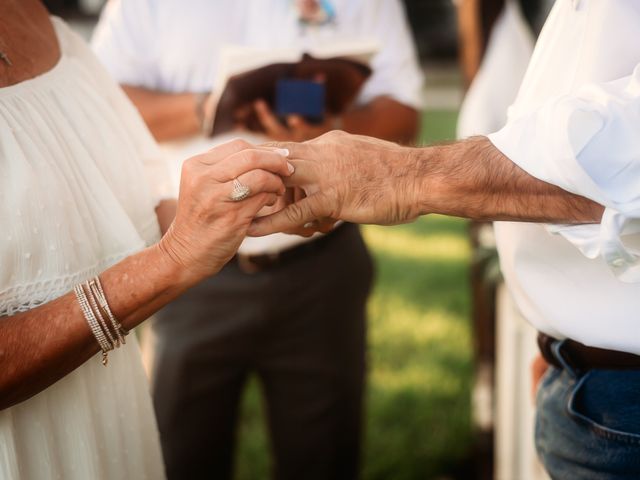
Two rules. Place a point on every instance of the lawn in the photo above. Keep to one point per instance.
(418, 395)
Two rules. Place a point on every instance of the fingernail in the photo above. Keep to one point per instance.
(282, 151)
(308, 225)
(291, 168)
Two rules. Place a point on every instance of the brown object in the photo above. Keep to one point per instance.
(343, 80)
(581, 357)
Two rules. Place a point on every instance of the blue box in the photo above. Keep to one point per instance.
(300, 97)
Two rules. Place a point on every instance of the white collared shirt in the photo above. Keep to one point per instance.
(173, 46)
(576, 124)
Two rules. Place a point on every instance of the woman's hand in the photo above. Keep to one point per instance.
(42, 345)
(209, 226)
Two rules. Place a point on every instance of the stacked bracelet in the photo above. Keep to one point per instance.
(95, 286)
(95, 308)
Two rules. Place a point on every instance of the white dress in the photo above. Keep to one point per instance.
(79, 178)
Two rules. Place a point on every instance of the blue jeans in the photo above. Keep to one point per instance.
(588, 424)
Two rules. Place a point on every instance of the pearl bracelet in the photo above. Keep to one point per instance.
(95, 308)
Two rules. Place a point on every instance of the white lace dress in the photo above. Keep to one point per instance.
(79, 179)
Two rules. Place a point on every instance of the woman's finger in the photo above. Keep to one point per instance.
(222, 151)
(254, 204)
(326, 225)
(259, 181)
(298, 194)
(296, 150)
(241, 162)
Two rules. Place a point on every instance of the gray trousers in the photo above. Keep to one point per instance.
(300, 326)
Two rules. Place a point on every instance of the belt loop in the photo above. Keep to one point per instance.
(556, 349)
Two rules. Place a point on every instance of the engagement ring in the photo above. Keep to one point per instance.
(240, 191)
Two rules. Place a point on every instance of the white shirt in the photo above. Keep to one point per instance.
(173, 46)
(576, 124)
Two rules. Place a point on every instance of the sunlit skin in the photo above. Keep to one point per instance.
(42, 345)
(365, 180)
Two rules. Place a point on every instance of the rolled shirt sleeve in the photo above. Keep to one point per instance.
(588, 143)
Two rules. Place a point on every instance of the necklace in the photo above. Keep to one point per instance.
(5, 58)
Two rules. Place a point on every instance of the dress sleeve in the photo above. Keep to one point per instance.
(396, 72)
(123, 40)
(588, 143)
(154, 163)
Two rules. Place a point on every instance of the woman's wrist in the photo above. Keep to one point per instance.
(172, 262)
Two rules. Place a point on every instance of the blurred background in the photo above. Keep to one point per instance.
(432, 381)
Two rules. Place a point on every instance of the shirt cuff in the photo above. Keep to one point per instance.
(546, 144)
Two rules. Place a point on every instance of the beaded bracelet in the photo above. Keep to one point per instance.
(96, 288)
(105, 346)
(95, 307)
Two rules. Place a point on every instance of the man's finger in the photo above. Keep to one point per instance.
(290, 218)
(304, 174)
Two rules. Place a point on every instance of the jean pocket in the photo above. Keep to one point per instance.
(608, 404)
(547, 378)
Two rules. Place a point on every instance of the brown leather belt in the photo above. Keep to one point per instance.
(581, 357)
(252, 264)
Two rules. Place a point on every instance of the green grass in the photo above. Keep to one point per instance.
(418, 395)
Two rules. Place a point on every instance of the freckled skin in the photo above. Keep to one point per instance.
(202, 231)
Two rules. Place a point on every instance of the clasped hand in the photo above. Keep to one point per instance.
(209, 225)
(334, 177)
(345, 177)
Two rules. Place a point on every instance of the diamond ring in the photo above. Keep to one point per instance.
(240, 191)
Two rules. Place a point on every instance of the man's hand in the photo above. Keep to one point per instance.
(364, 180)
(296, 130)
(347, 177)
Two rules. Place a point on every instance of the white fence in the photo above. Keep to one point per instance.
(515, 456)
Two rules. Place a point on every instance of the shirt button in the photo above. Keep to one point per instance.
(618, 262)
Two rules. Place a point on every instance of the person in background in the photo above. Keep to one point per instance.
(290, 309)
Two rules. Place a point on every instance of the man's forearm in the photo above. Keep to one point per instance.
(472, 178)
(169, 116)
(383, 118)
